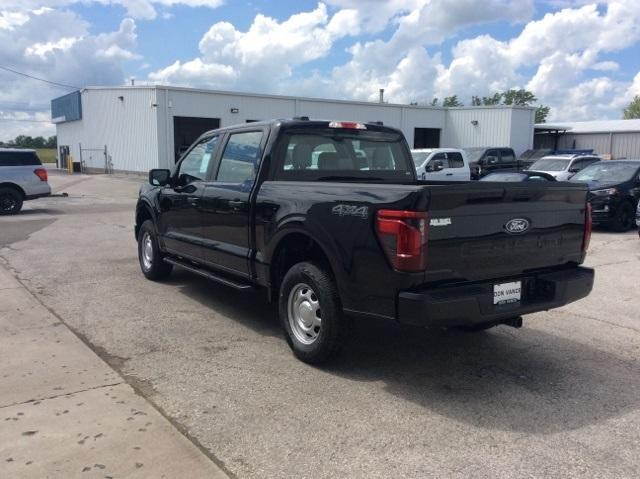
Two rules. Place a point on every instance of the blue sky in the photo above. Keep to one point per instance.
(581, 59)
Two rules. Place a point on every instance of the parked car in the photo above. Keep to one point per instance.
(342, 239)
(22, 178)
(638, 217)
(441, 164)
(485, 160)
(614, 191)
(563, 167)
(518, 176)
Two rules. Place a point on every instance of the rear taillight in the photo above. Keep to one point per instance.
(588, 227)
(404, 236)
(42, 174)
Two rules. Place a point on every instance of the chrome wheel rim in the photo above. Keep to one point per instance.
(303, 307)
(147, 251)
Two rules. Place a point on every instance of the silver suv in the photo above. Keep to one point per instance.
(22, 177)
(564, 166)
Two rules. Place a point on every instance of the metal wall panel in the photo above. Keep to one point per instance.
(136, 123)
(493, 127)
(125, 120)
(626, 145)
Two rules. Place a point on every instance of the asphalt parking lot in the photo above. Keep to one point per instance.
(559, 397)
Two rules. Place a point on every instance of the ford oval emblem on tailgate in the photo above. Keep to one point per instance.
(517, 226)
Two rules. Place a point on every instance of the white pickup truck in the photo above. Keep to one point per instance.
(22, 178)
(441, 164)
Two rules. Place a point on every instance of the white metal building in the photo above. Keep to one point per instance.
(611, 138)
(136, 128)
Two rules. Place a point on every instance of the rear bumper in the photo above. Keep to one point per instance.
(473, 303)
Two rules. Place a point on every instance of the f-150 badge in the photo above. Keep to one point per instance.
(350, 210)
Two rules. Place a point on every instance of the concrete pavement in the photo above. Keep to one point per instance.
(558, 398)
(65, 413)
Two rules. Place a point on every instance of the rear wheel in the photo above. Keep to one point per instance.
(624, 218)
(151, 263)
(311, 313)
(10, 201)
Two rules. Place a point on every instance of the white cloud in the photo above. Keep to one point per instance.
(261, 57)
(139, 9)
(56, 45)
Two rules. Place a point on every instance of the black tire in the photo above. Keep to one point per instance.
(10, 201)
(624, 218)
(332, 333)
(155, 269)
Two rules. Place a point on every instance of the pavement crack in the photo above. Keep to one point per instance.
(61, 395)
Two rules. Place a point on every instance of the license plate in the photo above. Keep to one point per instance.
(504, 293)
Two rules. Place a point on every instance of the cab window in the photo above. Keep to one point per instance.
(506, 156)
(195, 165)
(455, 160)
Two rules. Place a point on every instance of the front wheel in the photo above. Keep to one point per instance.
(10, 201)
(311, 313)
(151, 263)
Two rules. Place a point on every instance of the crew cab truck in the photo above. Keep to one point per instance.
(329, 219)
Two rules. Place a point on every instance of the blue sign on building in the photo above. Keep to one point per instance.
(66, 108)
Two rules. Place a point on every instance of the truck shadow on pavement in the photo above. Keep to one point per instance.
(523, 380)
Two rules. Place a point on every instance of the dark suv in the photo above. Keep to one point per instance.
(614, 191)
(484, 160)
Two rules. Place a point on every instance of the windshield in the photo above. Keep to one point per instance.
(605, 172)
(419, 157)
(550, 164)
(340, 154)
(474, 154)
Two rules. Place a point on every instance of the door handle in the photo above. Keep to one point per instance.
(449, 174)
(194, 201)
(235, 204)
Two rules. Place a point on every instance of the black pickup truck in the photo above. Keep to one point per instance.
(330, 220)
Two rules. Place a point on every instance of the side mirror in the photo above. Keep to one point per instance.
(574, 170)
(492, 160)
(159, 177)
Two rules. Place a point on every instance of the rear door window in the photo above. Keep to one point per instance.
(455, 160)
(240, 158)
(507, 156)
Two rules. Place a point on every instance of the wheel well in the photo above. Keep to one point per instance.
(143, 214)
(295, 248)
(13, 186)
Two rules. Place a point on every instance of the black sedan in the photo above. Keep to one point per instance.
(614, 191)
(519, 176)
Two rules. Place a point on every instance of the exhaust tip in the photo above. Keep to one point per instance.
(513, 322)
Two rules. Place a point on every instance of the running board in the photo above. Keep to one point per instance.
(208, 274)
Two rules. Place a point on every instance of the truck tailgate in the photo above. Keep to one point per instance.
(471, 237)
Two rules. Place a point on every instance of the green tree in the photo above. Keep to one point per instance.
(450, 101)
(434, 102)
(52, 142)
(541, 113)
(493, 99)
(520, 97)
(633, 110)
(475, 100)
